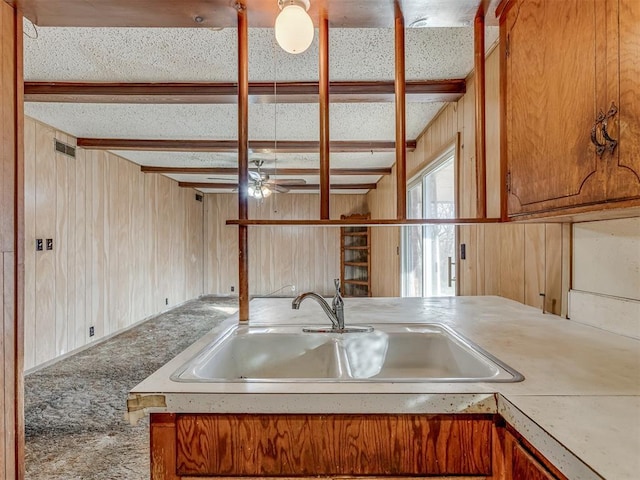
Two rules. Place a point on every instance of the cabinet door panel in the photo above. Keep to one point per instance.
(624, 166)
(551, 104)
(526, 466)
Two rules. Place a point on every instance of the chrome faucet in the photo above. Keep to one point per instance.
(335, 312)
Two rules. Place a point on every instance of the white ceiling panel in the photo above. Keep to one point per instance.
(310, 179)
(284, 160)
(206, 55)
(352, 121)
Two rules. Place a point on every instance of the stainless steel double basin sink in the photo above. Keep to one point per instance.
(390, 353)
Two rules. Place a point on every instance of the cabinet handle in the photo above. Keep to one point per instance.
(600, 147)
(611, 142)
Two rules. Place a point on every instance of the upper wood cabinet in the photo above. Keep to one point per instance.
(565, 62)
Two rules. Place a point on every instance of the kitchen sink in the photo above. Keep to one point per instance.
(390, 353)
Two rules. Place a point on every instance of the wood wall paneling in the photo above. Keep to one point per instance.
(124, 242)
(512, 283)
(534, 264)
(493, 259)
(60, 251)
(385, 241)
(44, 215)
(305, 257)
(553, 268)
(80, 332)
(30, 246)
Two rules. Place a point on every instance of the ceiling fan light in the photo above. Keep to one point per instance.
(294, 27)
(266, 192)
(251, 191)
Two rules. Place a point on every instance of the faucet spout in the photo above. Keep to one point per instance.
(323, 303)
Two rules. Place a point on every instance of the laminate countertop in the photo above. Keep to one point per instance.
(579, 404)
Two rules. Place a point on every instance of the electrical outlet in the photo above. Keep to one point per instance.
(463, 251)
(39, 245)
(92, 331)
(166, 301)
(293, 288)
(49, 243)
(233, 289)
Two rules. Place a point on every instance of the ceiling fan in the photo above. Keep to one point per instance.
(261, 186)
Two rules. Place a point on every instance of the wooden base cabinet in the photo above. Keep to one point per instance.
(187, 446)
(571, 93)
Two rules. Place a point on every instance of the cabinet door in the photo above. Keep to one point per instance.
(554, 73)
(526, 466)
(623, 59)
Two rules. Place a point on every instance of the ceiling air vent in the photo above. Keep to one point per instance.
(65, 149)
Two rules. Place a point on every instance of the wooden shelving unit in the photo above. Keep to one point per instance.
(355, 257)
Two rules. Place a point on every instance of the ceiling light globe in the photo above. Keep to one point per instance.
(251, 191)
(266, 192)
(294, 29)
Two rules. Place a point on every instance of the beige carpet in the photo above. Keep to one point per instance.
(74, 410)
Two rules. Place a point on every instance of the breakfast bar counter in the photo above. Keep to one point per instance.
(578, 406)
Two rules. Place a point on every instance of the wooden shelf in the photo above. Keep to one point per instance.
(355, 260)
(364, 222)
(357, 282)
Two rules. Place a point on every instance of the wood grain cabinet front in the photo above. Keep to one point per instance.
(571, 104)
(522, 463)
(307, 446)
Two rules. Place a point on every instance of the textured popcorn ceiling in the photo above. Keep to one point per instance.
(283, 160)
(202, 54)
(348, 121)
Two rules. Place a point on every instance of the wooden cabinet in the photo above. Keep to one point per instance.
(564, 63)
(355, 259)
(325, 445)
(522, 462)
(341, 446)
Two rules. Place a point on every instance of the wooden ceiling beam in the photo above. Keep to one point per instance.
(308, 186)
(268, 171)
(230, 146)
(227, 93)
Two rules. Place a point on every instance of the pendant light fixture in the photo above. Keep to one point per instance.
(294, 27)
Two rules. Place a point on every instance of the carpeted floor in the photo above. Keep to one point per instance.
(74, 409)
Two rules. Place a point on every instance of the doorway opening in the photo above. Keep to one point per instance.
(429, 251)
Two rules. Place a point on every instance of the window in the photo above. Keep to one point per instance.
(428, 263)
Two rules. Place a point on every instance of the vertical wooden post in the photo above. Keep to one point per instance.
(11, 244)
(324, 115)
(481, 151)
(243, 161)
(401, 130)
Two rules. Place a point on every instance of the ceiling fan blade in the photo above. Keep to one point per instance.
(279, 188)
(291, 181)
(222, 179)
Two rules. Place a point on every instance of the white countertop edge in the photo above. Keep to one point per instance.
(554, 451)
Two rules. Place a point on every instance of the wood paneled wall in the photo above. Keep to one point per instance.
(306, 257)
(11, 252)
(126, 245)
(516, 261)
(385, 241)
